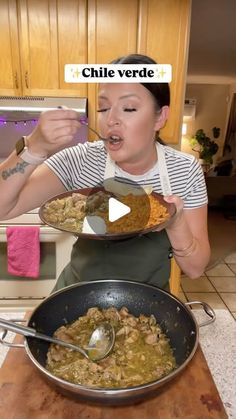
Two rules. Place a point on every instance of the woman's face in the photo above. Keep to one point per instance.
(127, 114)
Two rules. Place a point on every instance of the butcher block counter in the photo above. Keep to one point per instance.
(24, 393)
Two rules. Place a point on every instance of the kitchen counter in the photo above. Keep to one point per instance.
(218, 342)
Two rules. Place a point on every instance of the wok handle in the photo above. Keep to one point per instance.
(208, 310)
(10, 344)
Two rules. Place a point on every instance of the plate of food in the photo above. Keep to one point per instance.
(85, 212)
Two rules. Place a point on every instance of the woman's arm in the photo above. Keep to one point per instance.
(27, 188)
(188, 235)
(24, 186)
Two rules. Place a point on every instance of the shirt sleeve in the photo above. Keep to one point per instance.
(196, 191)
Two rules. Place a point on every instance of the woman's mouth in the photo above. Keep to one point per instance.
(114, 139)
(114, 142)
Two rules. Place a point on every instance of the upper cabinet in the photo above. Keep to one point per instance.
(52, 33)
(38, 37)
(156, 28)
(164, 35)
(112, 32)
(42, 36)
(10, 72)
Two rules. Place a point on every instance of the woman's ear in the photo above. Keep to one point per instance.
(162, 117)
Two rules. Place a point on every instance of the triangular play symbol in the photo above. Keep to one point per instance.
(117, 209)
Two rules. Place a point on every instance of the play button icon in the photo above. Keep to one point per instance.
(117, 209)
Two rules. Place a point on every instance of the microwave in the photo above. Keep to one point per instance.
(20, 293)
(19, 116)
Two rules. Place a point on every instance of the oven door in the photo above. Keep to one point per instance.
(24, 293)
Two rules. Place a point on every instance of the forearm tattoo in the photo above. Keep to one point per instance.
(19, 168)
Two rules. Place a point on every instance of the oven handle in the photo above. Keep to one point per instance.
(43, 228)
(10, 344)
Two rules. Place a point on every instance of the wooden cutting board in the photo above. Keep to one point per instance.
(24, 394)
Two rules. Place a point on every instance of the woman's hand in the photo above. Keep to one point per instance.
(55, 129)
(179, 204)
(187, 232)
(177, 218)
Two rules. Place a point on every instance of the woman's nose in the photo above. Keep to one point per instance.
(113, 118)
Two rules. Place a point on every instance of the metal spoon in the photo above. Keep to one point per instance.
(84, 121)
(100, 344)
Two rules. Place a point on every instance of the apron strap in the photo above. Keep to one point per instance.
(110, 169)
(163, 173)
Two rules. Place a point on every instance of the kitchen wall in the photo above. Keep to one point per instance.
(211, 111)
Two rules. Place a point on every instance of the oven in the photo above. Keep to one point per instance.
(20, 293)
(18, 117)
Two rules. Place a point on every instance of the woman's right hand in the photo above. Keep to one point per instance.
(55, 129)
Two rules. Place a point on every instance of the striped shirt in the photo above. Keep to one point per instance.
(83, 166)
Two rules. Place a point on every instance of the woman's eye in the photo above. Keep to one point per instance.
(102, 110)
(130, 109)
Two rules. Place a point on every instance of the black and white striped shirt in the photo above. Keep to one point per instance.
(83, 166)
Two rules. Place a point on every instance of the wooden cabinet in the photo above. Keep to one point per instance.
(38, 37)
(156, 28)
(164, 35)
(112, 32)
(10, 72)
(52, 34)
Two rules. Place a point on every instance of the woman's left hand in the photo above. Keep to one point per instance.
(178, 217)
(187, 232)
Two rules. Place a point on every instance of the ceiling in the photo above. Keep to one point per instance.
(212, 49)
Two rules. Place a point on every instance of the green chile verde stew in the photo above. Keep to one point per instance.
(141, 353)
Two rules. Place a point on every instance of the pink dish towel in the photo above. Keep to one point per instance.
(23, 251)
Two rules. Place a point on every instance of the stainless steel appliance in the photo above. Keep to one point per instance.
(18, 117)
(55, 247)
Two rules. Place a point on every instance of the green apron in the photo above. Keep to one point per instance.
(144, 258)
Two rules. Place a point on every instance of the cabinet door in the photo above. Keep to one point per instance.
(112, 32)
(72, 42)
(10, 76)
(52, 34)
(164, 35)
(157, 28)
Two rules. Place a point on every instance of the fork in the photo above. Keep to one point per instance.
(84, 121)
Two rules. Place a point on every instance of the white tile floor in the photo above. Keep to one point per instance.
(217, 287)
(218, 284)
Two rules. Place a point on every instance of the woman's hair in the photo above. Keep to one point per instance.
(160, 91)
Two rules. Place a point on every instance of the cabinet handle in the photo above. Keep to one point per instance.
(16, 80)
(26, 80)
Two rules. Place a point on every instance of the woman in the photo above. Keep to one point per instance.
(130, 116)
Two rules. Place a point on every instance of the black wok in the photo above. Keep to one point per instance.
(66, 305)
